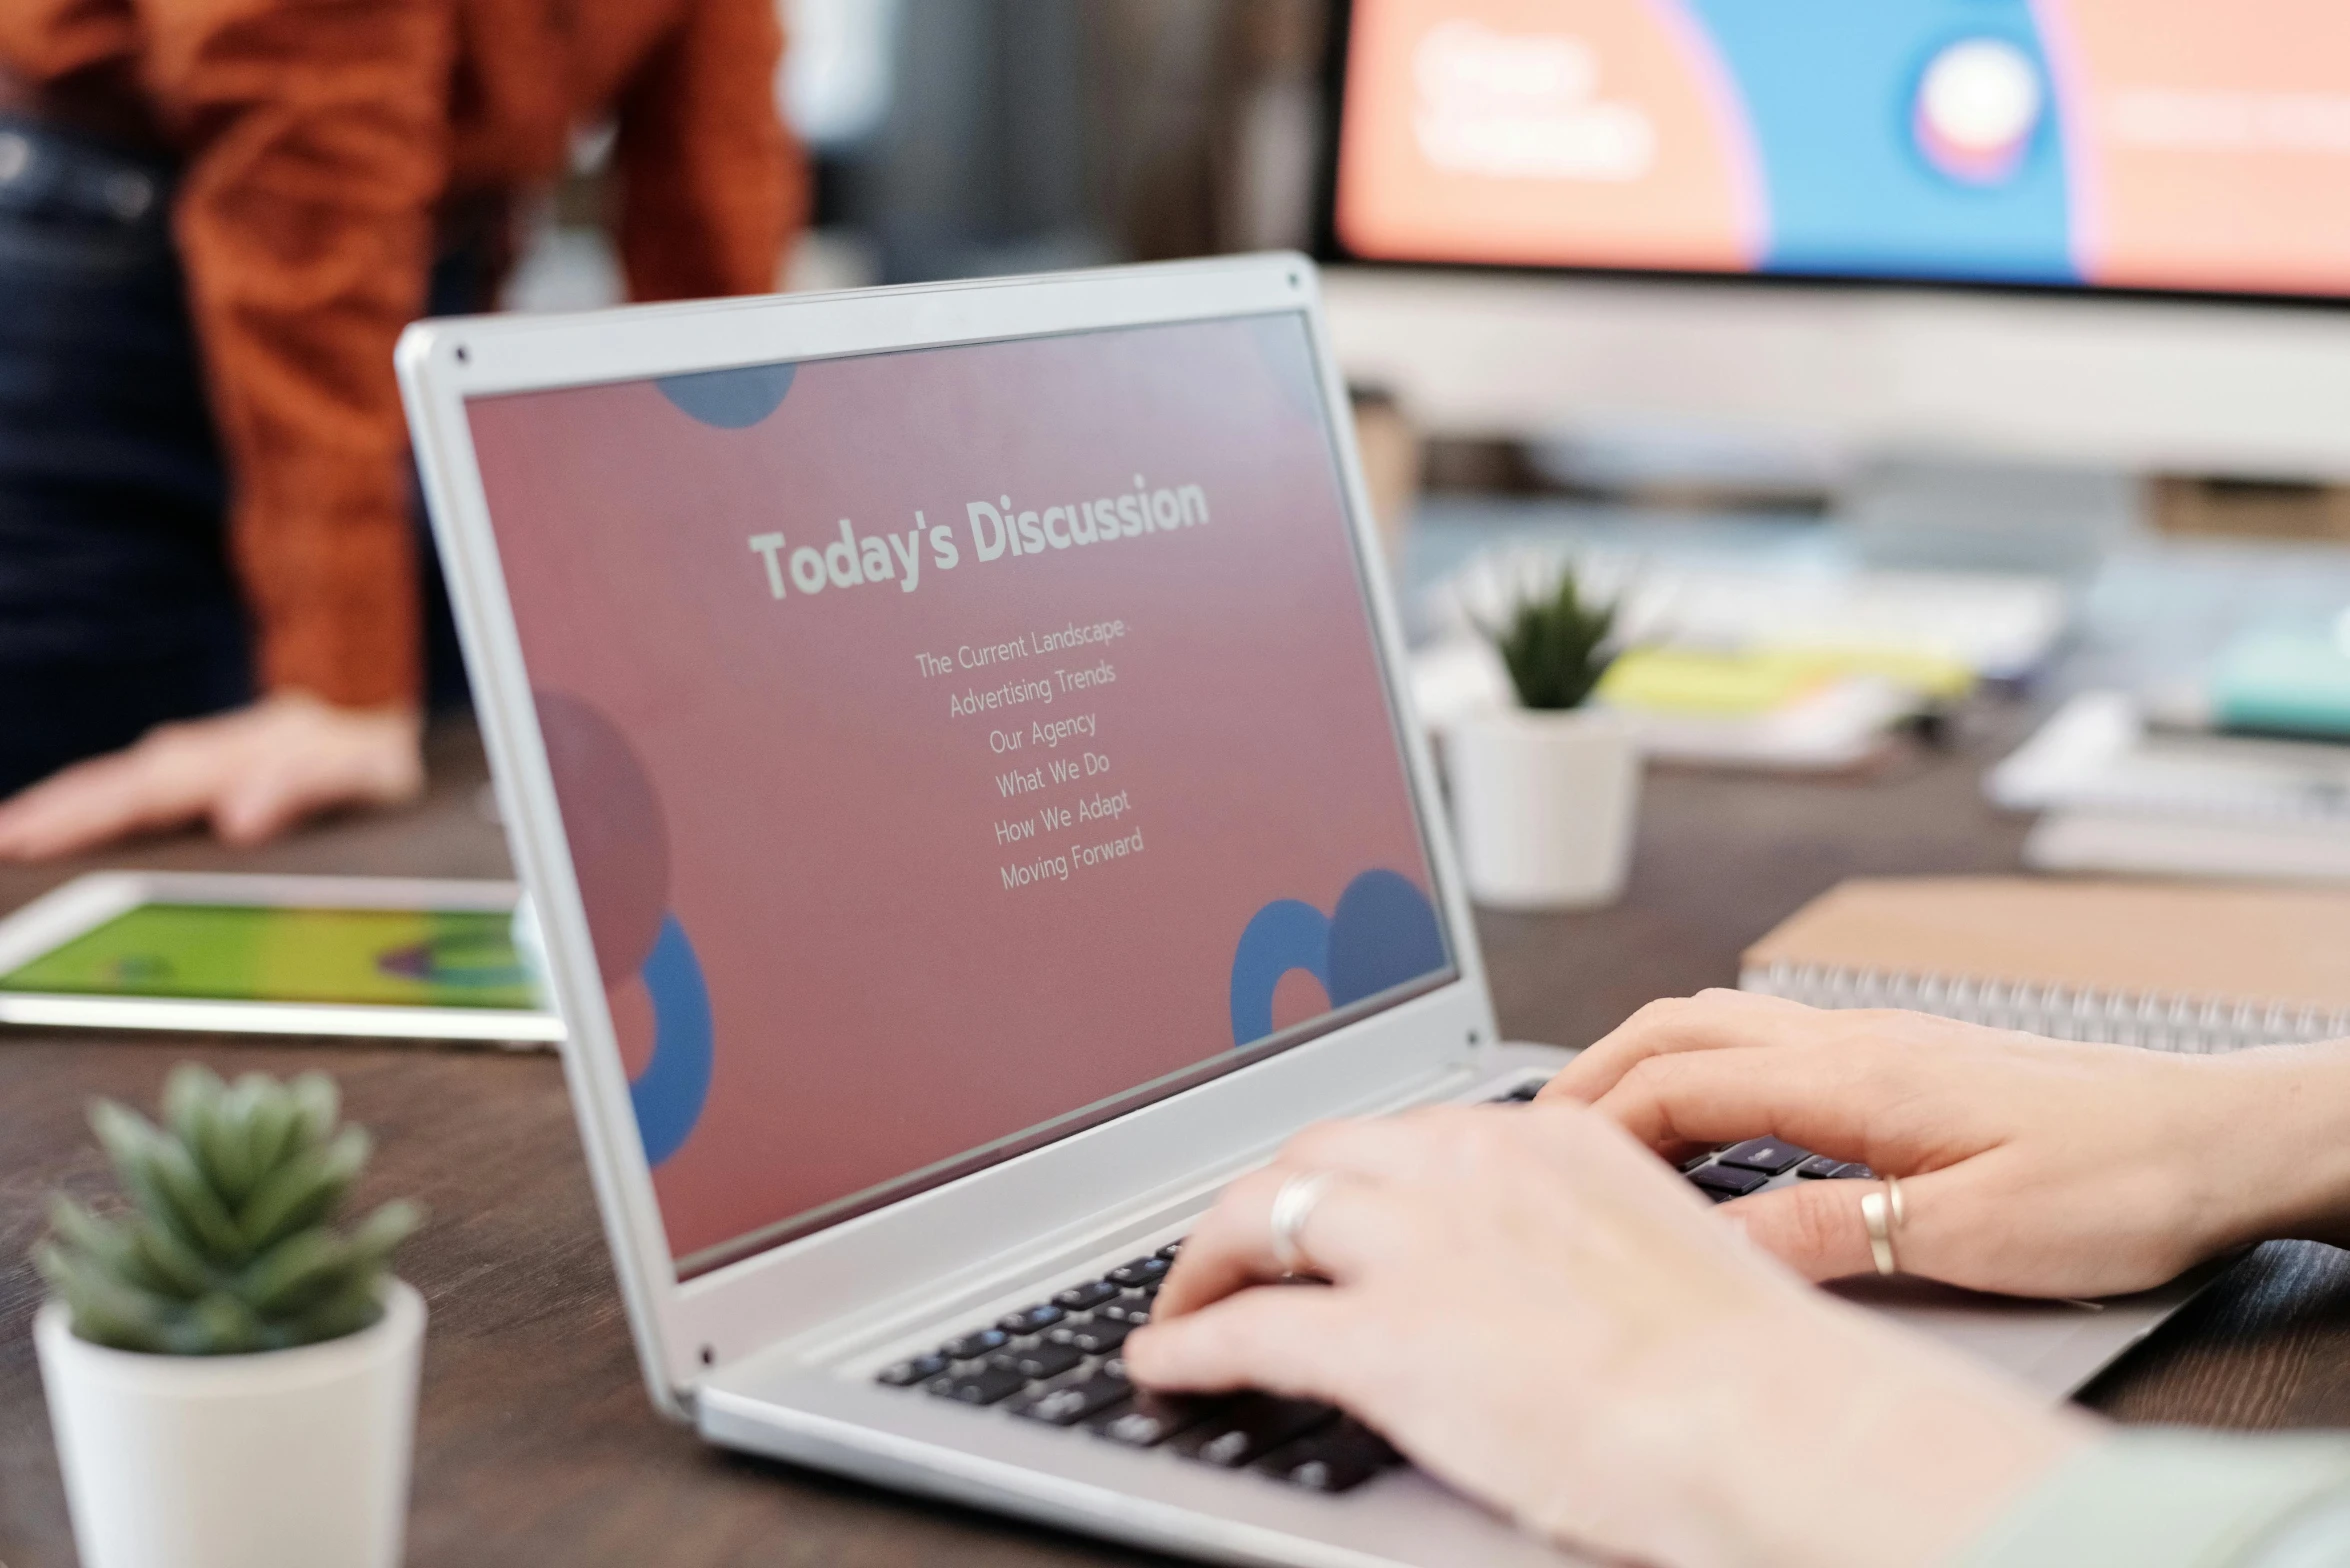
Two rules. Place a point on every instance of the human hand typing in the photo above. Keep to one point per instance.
(2028, 1166)
(252, 773)
(1533, 1308)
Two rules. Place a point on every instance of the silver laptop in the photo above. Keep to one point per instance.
(953, 740)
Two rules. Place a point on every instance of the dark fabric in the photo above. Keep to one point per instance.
(464, 282)
(321, 138)
(117, 609)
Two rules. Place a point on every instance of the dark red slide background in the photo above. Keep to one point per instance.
(881, 1001)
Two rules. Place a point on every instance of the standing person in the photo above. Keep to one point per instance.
(215, 218)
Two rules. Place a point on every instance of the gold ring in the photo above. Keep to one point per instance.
(1883, 1213)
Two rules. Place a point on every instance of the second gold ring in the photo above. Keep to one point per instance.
(1883, 1214)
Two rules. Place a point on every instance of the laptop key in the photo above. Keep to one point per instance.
(1768, 1155)
(1037, 1361)
(1338, 1458)
(1724, 1182)
(1078, 1297)
(1067, 1404)
(1170, 1249)
(1132, 1309)
(983, 1387)
(1854, 1172)
(1031, 1320)
(905, 1374)
(1248, 1428)
(1139, 1272)
(1819, 1166)
(1147, 1420)
(1094, 1337)
(975, 1344)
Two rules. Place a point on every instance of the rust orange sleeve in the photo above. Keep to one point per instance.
(711, 187)
(317, 145)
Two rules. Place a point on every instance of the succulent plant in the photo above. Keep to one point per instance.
(229, 1245)
(1551, 645)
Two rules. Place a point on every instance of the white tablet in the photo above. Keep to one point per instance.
(381, 957)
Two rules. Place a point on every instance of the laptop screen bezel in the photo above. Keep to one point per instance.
(685, 1327)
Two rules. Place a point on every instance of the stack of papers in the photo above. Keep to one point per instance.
(2000, 627)
(2122, 796)
(1773, 711)
(1791, 670)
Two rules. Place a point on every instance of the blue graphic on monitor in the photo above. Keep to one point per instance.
(1384, 933)
(669, 1093)
(1855, 179)
(730, 399)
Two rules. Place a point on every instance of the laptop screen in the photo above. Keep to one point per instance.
(956, 747)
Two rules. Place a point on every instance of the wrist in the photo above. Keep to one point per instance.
(1890, 1451)
(1935, 1456)
(2279, 1135)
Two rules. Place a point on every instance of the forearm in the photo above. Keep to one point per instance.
(2275, 1161)
(304, 223)
(2170, 1499)
(1909, 1452)
(711, 185)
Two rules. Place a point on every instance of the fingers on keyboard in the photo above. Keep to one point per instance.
(1057, 1363)
(1741, 1168)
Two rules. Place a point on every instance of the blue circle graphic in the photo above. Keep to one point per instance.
(670, 1092)
(1384, 934)
(730, 399)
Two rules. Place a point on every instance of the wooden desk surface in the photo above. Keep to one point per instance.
(536, 1443)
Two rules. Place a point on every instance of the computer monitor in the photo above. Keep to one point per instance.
(2099, 231)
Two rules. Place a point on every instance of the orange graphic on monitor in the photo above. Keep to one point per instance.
(1521, 131)
(2207, 153)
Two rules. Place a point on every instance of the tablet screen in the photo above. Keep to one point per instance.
(248, 953)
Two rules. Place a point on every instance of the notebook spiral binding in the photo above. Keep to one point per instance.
(2198, 1025)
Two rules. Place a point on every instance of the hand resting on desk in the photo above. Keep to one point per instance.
(1532, 1307)
(2029, 1166)
(252, 773)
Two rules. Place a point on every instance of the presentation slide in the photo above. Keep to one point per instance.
(2168, 144)
(954, 747)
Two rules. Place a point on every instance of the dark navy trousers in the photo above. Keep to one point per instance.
(117, 607)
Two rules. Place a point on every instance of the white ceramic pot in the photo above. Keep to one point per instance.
(287, 1459)
(1545, 804)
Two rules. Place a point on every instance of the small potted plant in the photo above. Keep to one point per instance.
(1545, 793)
(231, 1378)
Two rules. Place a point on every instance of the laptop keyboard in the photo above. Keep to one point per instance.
(1057, 1361)
(1741, 1168)
(1723, 1174)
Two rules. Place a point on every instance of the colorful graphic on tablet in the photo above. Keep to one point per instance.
(2169, 144)
(954, 748)
(246, 953)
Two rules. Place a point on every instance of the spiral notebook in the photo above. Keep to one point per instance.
(2170, 967)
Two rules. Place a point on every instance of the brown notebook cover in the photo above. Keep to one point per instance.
(2218, 966)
